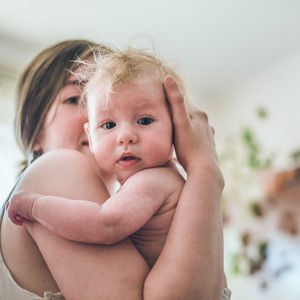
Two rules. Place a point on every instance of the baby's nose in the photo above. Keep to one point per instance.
(127, 136)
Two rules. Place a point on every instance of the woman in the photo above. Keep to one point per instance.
(49, 118)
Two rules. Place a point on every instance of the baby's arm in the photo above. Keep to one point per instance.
(121, 215)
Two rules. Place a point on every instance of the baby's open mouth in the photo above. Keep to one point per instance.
(128, 158)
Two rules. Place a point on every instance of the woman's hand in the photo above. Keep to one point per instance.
(193, 136)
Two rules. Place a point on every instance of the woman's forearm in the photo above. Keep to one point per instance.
(191, 264)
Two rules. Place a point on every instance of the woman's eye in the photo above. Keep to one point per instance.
(145, 121)
(72, 100)
(109, 125)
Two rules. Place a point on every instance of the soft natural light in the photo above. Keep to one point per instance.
(9, 157)
(241, 63)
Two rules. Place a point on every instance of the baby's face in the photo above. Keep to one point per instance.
(134, 132)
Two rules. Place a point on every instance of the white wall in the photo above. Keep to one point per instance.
(9, 152)
(278, 90)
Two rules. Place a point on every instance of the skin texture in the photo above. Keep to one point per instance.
(119, 269)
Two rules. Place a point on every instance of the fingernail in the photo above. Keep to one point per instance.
(170, 82)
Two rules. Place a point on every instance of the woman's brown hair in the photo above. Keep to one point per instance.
(39, 85)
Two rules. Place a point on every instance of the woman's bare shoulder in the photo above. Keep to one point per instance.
(61, 158)
(59, 170)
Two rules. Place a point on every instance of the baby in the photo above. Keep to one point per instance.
(130, 134)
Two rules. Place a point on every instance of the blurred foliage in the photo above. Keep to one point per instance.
(243, 161)
(253, 150)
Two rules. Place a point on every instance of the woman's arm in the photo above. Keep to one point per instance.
(191, 264)
(82, 271)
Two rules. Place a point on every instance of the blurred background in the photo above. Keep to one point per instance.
(241, 62)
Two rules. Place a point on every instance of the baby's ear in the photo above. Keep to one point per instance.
(87, 131)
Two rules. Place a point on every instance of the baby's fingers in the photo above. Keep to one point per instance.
(13, 217)
(18, 220)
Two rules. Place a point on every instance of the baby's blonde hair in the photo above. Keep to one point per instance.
(121, 67)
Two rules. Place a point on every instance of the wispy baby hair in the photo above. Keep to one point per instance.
(121, 67)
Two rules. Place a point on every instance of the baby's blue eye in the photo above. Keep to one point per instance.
(145, 121)
(109, 125)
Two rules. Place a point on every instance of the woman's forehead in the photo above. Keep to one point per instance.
(73, 81)
(74, 77)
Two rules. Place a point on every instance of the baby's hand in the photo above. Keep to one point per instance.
(19, 208)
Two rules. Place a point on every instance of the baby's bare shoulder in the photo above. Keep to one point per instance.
(160, 178)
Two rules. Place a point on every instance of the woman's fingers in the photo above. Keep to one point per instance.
(182, 112)
(193, 135)
(176, 101)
